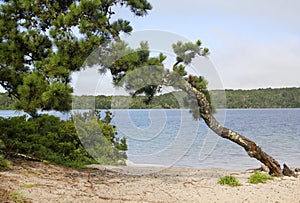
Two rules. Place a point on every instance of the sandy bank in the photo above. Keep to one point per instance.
(38, 182)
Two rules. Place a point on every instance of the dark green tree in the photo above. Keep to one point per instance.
(42, 42)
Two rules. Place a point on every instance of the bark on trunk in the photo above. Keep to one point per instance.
(251, 148)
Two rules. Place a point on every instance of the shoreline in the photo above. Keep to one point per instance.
(133, 169)
(39, 182)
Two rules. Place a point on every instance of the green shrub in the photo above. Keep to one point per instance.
(57, 141)
(4, 164)
(99, 137)
(229, 180)
(259, 178)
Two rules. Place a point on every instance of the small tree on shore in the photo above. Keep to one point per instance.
(140, 73)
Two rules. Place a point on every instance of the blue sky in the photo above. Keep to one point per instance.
(254, 44)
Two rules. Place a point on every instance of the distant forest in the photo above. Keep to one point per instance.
(261, 98)
(258, 98)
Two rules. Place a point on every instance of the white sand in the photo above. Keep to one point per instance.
(37, 182)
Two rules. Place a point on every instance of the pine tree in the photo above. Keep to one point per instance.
(42, 42)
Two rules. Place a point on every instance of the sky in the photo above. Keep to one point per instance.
(253, 44)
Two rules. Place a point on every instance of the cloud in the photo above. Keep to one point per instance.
(275, 10)
(249, 63)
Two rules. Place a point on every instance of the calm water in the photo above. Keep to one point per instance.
(173, 137)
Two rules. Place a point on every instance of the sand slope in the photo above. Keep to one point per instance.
(38, 182)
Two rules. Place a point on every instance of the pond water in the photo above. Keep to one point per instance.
(174, 138)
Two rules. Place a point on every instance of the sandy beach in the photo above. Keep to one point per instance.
(39, 182)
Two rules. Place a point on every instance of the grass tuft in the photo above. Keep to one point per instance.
(4, 164)
(229, 180)
(259, 178)
(18, 198)
(28, 186)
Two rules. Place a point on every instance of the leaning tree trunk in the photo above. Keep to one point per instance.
(251, 147)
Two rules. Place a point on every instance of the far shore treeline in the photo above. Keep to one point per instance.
(256, 98)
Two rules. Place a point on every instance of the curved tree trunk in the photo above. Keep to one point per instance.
(251, 148)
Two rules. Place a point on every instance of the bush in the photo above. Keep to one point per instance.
(259, 178)
(4, 164)
(99, 137)
(229, 180)
(49, 138)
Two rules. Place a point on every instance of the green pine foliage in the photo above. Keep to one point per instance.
(4, 164)
(100, 138)
(130, 66)
(49, 138)
(6, 103)
(40, 46)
